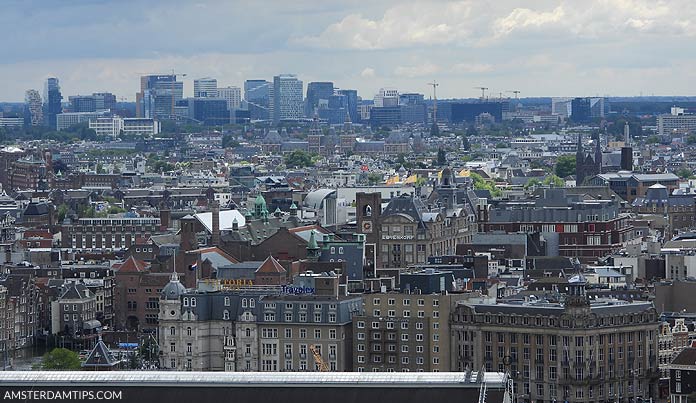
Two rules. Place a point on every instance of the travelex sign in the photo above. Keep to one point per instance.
(289, 289)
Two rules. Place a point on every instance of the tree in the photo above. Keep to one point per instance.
(565, 165)
(229, 141)
(482, 184)
(299, 159)
(374, 178)
(465, 143)
(61, 359)
(653, 140)
(434, 130)
(62, 212)
(441, 157)
(684, 173)
(554, 181)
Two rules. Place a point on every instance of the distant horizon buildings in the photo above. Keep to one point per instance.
(257, 95)
(33, 109)
(318, 94)
(231, 94)
(288, 102)
(205, 88)
(158, 96)
(52, 101)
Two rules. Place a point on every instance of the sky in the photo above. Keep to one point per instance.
(540, 47)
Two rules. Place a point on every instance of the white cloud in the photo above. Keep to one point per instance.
(368, 72)
(521, 18)
(405, 25)
(421, 70)
(471, 68)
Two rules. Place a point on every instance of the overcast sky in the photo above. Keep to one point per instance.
(541, 47)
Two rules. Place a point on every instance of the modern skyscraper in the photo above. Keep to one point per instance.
(233, 96)
(351, 100)
(104, 101)
(158, 96)
(257, 94)
(387, 97)
(287, 98)
(52, 99)
(83, 103)
(316, 92)
(205, 88)
(33, 110)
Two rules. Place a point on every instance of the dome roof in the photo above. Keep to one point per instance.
(174, 289)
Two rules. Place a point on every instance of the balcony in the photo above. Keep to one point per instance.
(288, 355)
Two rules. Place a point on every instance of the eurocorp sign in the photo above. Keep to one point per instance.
(292, 290)
(397, 237)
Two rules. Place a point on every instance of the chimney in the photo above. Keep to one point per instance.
(215, 236)
(165, 217)
(188, 234)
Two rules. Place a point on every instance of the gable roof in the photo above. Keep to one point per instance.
(100, 356)
(271, 265)
(131, 265)
(216, 256)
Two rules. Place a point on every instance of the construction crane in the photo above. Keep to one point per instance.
(434, 84)
(321, 364)
(516, 92)
(483, 92)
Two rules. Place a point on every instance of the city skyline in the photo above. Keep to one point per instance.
(548, 48)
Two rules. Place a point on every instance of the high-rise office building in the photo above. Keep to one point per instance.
(33, 110)
(205, 88)
(351, 103)
(233, 96)
(257, 94)
(287, 98)
(104, 101)
(52, 99)
(316, 93)
(583, 110)
(209, 111)
(561, 106)
(158, 96)
(83, 103)
(387, 97)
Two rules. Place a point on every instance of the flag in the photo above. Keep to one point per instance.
(193, 267)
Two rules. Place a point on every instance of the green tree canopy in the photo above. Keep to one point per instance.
(684, 173)
(565, 165)
(482, 184)
(61, 359)
(299, 159)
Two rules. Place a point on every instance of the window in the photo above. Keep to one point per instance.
(193, 302)
(317, 333)
(226, 315)
(189, 332)
(288, 333)
(227, 301)
(361, 324)
(172, 331)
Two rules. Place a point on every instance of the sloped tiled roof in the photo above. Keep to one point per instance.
(131, 265)
(270, 265)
